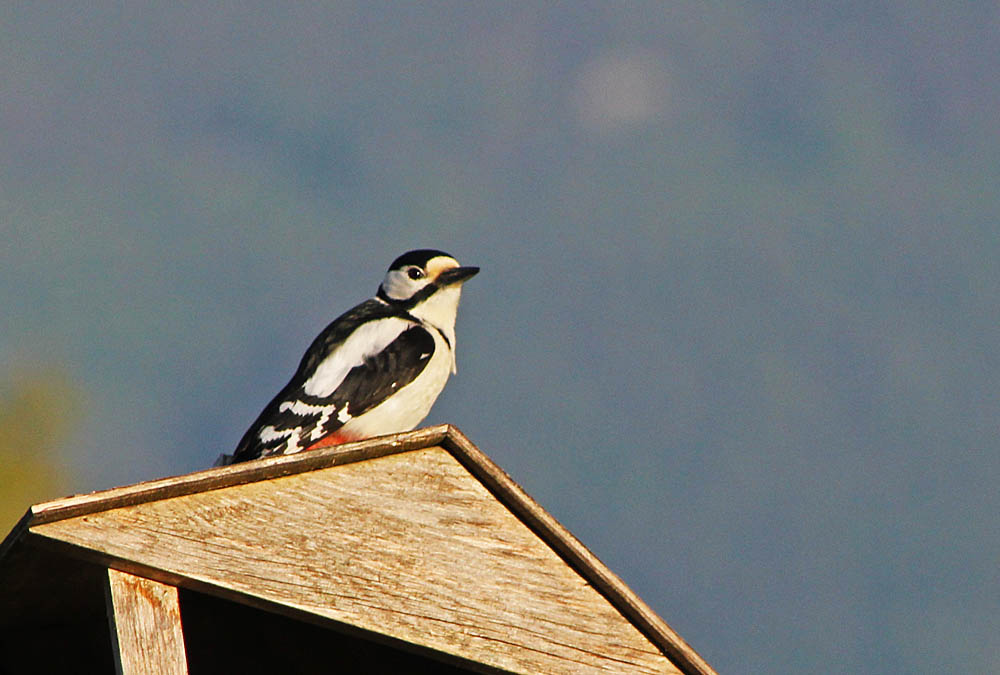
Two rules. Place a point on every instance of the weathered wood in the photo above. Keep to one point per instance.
(145, 621)
(574, 553)
(578, 556)
(226, 476)
(409, 545)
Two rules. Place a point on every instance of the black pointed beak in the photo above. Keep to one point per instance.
(456, 275)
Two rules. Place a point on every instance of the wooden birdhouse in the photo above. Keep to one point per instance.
(411, 553)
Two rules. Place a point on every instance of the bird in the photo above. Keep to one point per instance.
(376, 369)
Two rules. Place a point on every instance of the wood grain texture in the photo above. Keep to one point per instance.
(409, 545)
(226, 476)
(145, 622)
(578, 556)
(493, 477)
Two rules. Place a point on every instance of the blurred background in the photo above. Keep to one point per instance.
(737, 326)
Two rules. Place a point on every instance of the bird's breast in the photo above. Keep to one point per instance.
(407, 407)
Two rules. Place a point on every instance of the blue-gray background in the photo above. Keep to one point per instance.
(737, 325)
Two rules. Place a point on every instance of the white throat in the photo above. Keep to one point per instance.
(440, 311)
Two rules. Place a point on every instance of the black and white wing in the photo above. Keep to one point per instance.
(357, 362)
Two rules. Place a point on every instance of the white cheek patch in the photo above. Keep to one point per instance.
(399, 286)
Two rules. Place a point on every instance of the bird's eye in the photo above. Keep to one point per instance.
(415, 273)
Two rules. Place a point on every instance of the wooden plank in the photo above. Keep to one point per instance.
(145, 622)
(408, 545)
(226, 476)
(449, 437)
(577, 555)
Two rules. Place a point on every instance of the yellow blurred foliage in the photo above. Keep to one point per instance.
(38, 410)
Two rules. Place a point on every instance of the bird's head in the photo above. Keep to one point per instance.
(428, 284)
(417, 276)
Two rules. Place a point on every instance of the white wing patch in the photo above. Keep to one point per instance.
(306, 409)
(303, 409)
(290, 436)
(366, 341)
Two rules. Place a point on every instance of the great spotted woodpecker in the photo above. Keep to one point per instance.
(377, 369)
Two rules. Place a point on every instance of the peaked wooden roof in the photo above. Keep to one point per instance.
(418, 536)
